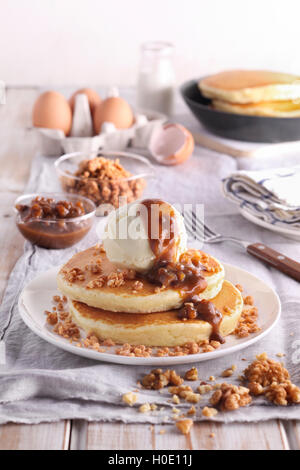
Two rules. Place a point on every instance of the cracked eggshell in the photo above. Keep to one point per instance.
(171, 144)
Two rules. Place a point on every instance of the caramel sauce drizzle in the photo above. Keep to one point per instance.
(184, 275)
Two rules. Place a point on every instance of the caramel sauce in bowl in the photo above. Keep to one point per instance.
(54, 220)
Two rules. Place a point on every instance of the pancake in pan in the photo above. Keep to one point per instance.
(251, 86)
(267, 108)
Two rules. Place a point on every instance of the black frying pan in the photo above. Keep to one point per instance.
(238, 126)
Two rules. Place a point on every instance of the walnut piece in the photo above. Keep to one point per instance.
(184, 425)
(105, 181)
(209, 412)
(158, 379)
(270, 378)
(191, 374)
(129, 398)
(265, 371)
(230, 397)
(248, 322)
(202, 389)
(145, 408)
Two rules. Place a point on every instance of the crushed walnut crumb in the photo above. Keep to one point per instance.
(184, 425)
(92, 342)
(270, 378)
(74, 274)
(145, 408)
(52, 317)
(134, 351)
(158, 379)
(180, 390)
(265, 371)
(209, 412)
(248, 300)
(129, 398)
(105, 181)
(185, 392)
(191, 411)
(230, 397)
(203, 389)
(247, 322)
(191, 374)
(175, 399)
(108, 342)
(229, 372)
(67, 329)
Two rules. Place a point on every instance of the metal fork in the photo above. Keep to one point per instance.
(198, 230)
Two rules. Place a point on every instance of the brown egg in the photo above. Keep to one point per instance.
(53, 111)
(115, 110)
(92, 95)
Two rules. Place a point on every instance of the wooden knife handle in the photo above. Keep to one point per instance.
(279, 261)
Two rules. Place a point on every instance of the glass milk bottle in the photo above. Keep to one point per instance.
(156, 81)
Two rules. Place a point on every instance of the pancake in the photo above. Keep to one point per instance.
(267, 108)
(251, 86)
(126, 298)
(158, 329)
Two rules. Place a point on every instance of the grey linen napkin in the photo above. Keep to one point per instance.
(40, 382)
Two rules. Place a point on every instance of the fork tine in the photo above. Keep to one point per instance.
(207, 230)
(191, 226)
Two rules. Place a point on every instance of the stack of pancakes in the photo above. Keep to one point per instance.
(254, 92)
(129, 313)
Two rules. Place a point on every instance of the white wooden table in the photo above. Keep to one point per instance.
(17, 147)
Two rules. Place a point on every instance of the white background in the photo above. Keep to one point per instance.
(93, 42)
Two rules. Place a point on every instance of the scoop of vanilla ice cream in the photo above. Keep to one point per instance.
(126, 239)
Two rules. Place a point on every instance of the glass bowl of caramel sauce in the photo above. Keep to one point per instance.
(54, 220)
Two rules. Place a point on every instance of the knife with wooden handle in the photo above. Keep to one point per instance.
(279, 261)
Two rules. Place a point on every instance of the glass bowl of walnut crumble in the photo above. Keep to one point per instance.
(107, 178)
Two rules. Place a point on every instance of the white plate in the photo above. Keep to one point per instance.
(36, 297)
(286, 232)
